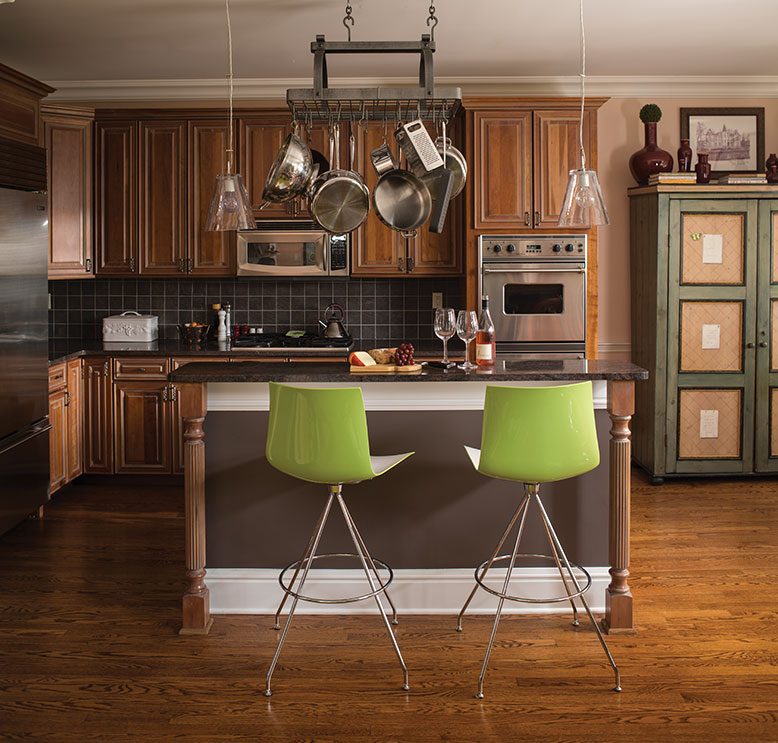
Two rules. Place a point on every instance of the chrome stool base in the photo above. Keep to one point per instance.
(301, 567)
(531, 495)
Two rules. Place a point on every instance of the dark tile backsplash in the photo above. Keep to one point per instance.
(378, 311)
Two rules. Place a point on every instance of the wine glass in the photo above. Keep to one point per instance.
(467, 325)
(445, 327)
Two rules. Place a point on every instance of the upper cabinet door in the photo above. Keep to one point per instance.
(502, 168)
(69, 165)
(210, 253)
(260, 140)
(376, 249)
(115, 197)
(557, 152)
(162, 178)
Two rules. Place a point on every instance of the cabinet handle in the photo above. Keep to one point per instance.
(105, 368)
(537, 219)
(182, 265)
(411, 264)
(526, 219)
(762, 344)
(189, 265)
(141, 369)
(750, 344)
(173, 392)
(67, 398)
(401, 263)
(132, 265)
(88, 265)
(164, 393)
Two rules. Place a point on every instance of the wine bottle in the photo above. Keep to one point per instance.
(484, 337)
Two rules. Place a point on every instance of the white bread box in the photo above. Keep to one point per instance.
(130, 327)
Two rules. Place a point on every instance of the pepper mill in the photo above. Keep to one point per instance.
(702, 168)
(221, 331)
(771, 168)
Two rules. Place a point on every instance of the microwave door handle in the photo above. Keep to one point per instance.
(325, 243)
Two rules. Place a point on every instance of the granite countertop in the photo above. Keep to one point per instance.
(63, 350)
(504, 371)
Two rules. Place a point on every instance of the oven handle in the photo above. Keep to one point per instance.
(534, 270)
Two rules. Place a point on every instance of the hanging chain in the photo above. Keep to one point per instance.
(432, 21)
(230, 142)
(348, 19)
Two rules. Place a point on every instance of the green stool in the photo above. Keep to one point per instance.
(320, 435)
(533, 435)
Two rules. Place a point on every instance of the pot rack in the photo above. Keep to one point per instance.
(382, 103)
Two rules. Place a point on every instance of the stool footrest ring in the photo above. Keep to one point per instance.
(527, 599)
(383, 585)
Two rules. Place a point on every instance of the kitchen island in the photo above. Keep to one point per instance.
(232, 388)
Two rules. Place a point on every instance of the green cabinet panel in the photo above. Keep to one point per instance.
(704, 308)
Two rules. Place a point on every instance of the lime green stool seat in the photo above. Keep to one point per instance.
(320, 436)
(535, 435)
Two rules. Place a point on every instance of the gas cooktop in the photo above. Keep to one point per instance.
(307, 342)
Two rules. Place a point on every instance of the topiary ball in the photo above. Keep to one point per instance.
(650, 113)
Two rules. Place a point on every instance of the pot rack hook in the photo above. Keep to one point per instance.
(432, 21)
(348, 19)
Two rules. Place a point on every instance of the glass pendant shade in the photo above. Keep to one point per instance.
(583, 205)
(230, 207)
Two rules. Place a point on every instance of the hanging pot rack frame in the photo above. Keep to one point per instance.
(382, 103)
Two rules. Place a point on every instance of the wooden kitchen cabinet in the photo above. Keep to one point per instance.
(58, 437)
(260, 138)
(75, 415)
(378, 250)
(98, 416)
(522, 154)
(162, 198)
(65, 411)
(20, 101)
(210, 253)
(142, 431)
(116, 248)
(68, 140)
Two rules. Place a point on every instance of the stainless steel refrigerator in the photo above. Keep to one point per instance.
(24, 423)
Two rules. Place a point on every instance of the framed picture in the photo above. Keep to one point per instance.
(732, 137)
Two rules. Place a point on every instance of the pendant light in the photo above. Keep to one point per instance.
(583, 205)
(230, 207)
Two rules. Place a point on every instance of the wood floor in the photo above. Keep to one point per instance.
(89, 607)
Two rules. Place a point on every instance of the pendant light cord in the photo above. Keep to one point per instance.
(230, 146)
(583, 86)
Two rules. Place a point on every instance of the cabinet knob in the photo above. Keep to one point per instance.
(750, 344)
(762, 344)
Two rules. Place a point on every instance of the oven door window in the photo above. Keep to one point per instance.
(277, 253)
(534, 299)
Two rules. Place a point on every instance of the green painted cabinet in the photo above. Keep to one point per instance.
(704, 263)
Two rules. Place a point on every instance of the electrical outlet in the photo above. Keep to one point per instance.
(437, 300)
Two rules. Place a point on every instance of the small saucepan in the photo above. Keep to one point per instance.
(289, 173)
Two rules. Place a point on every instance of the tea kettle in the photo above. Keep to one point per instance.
(332, 324)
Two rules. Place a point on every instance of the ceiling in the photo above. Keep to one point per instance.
(120, 40)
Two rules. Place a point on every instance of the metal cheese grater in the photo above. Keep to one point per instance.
(419, 149)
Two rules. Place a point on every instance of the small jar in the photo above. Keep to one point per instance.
(702, 168)
(684, 157)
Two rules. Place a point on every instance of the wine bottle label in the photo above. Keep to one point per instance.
(483, 351)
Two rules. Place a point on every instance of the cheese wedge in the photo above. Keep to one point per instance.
(361, 358)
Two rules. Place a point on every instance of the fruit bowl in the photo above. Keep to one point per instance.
(193, 332)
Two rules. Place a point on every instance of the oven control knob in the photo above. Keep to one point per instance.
(557, 248)
(511, 248)
(569, 248)
(497, 248)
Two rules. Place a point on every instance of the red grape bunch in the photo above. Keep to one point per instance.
(403, 356)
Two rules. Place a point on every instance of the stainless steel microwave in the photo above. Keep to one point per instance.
(292, 249)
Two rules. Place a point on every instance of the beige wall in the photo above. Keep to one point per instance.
(620, 134)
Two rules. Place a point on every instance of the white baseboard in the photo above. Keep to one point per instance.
(435, 591)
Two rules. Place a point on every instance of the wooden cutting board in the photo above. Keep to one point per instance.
(385, 369)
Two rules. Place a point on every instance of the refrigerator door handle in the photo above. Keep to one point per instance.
(39, 428)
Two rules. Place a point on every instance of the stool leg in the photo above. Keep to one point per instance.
(312, 551)
(514, 519)
(363, 559)
(306, 554)
(555, 538)
(480, 692)
(559, 567)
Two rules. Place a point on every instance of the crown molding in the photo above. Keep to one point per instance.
(741, 86)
